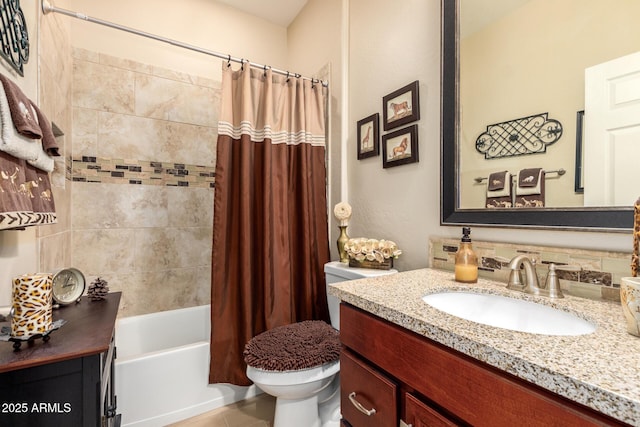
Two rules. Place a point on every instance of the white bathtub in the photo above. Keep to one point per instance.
(162, 368)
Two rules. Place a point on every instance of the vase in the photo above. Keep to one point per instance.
(342, 239)
(630, 301)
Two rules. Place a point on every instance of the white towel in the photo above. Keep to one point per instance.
(21, 147)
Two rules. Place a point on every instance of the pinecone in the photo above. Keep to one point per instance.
(98, 290)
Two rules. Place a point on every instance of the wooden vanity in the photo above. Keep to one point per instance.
(407, 363)
(68, 380)
(404, 376)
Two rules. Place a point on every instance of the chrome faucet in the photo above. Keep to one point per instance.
(531, 285)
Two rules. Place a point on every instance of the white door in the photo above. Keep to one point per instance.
(612, 132)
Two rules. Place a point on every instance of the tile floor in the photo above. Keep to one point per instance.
(255, 412)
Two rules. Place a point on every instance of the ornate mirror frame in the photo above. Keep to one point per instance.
(592, 219)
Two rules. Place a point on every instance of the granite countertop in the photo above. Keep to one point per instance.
(600, 370)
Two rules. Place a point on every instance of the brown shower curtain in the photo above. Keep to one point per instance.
(270, 237)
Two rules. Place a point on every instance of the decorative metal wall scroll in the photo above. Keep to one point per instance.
(527, 135)
(14, 35)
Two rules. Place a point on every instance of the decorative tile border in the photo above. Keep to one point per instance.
(139, 172)
(599, 277)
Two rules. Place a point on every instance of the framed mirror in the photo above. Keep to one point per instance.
(604, 218)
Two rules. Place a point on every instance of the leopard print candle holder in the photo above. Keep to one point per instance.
(32, 306)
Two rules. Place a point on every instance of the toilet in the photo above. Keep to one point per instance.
(301, 371)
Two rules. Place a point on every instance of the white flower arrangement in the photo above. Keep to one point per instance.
(362, 248)
(342, 212)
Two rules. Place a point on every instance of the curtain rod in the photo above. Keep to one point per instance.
(47, 7)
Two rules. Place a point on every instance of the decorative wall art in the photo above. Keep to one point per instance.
(401, 107)
(369, 136)
(400, 147)
(518, 137)
(14, 35)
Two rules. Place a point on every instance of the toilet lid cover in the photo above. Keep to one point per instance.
(292, 347)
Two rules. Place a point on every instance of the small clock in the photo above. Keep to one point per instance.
(68, 286)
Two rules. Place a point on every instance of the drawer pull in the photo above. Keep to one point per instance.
(358, 405)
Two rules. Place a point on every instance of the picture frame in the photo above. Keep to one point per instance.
(579, 178)
(368, 142)
(400, 147)
(401, 106)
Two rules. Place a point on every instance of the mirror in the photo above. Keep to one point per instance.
(453, 212)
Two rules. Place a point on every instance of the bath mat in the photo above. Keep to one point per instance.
(292, 347)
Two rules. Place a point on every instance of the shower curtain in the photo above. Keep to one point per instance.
(270, 237)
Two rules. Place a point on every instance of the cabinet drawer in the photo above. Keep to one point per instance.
(418, 414)
(361, 385)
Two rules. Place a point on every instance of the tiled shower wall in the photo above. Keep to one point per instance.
(142, 168)
(54, 241)
(598, 277)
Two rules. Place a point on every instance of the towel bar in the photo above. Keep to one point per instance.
(560, 172)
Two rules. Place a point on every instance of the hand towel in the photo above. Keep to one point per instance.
(11, 142)
(26, 198)
(49, 143)
(530, 192)
(499, 190)
(22, 113)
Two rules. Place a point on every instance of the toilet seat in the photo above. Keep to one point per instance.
(294, 347)
(299, 376)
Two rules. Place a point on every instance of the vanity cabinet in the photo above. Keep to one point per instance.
(68, 380)
(424, 383)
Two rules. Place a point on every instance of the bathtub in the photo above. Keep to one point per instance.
(162, 368)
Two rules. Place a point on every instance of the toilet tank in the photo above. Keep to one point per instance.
(335, 272)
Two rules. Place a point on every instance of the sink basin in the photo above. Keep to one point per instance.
(509, 313)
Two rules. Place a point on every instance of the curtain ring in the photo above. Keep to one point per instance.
(287, 77)
(229, 61)
(242, 64)
(265, 71)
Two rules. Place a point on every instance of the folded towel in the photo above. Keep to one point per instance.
(26, 198)
(529, 181)
(17, 145)
(530, 189)
(49, 143)
(498, 180)
(23, 115)
(499, 190)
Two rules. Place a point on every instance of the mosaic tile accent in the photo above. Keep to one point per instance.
(598, 278)
(139, 172)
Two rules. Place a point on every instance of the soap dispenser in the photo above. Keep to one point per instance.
(466, 269)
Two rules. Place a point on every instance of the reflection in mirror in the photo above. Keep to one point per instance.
(518, 59)
(519, 50)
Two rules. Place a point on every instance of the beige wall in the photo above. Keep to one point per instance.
(315, 49)
(392, 45)
(47, 81)
(542, 72)
(202, 23)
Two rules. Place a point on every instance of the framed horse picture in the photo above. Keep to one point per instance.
(401, 106)
(400, 147)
